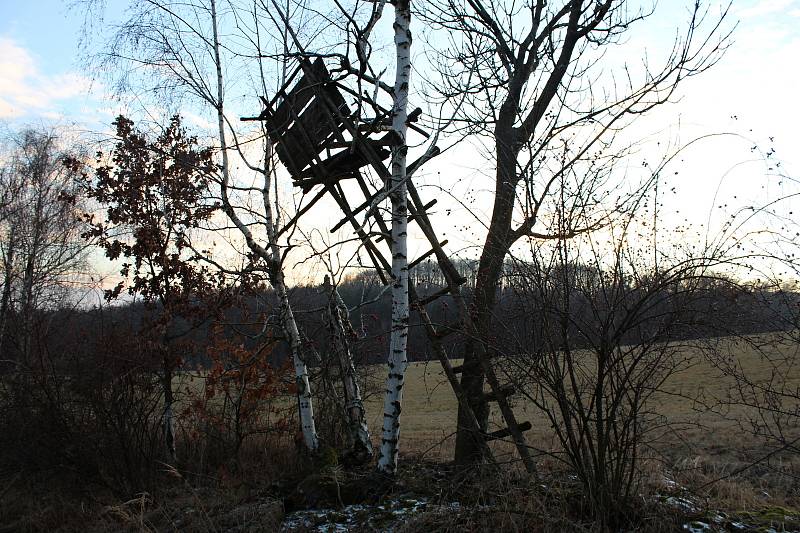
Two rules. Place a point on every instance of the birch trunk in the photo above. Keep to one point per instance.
(339, 322)
(270, 254)
(398, 343)
(304, 403)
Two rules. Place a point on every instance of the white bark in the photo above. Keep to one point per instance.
(270, 254)
(339, 321)
(398, 357)
(169, 432)
(304, 403)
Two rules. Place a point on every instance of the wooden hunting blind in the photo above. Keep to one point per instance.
(321, 141)
(314, 132)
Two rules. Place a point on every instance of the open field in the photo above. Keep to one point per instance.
(430, 408)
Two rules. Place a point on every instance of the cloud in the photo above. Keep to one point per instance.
(26, 90)
(765, 7)
(197, 120)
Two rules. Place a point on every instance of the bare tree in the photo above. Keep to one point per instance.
(532, 78)
(599, 329)
(756, 324)
(179, 50)
(42, 252)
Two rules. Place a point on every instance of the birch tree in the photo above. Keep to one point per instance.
(170, 43)
(270, 254)
(398, 342)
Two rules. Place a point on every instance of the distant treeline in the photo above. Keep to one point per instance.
(529, 302)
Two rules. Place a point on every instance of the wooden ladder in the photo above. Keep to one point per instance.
(437, 332)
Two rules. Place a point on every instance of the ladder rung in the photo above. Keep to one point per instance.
(424, 256)
(458, 369)
(424, 209)
(502, 433)
(505, 391)
(429, 204)
(435, 296)
(355, 211)
(340, 224)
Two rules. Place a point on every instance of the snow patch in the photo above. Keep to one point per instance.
(383, 517)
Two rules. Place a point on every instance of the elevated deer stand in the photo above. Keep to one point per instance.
(322, 143)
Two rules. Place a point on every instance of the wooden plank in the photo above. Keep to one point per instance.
(433, 297)
(503, 433)
(320, 179)
(505, 391)
(306, 138)
(296, 99)
(382, 226)
(369, 153)
(424, 208)
(357, 210)
(289, 225)
(381, 264)
(343, 163)
(424, 256)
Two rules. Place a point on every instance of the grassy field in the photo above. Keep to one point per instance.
(430, 408)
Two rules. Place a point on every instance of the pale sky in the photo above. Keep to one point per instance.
(752, 92)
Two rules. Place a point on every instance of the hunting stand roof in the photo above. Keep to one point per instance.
(316, 135)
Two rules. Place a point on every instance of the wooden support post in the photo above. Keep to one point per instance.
(433, 297)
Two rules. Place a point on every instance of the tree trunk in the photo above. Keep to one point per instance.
(8, 278)
(398, 356)
(292, 334)
(270, 254)
(490, 270)
(28, 305)
(169, 416)
(339, 322)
